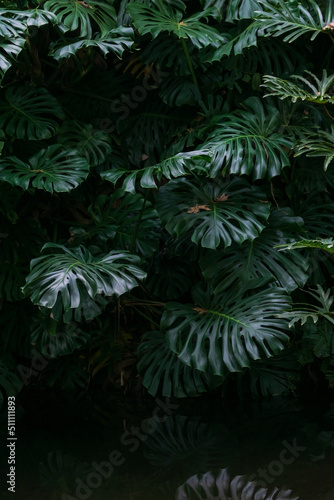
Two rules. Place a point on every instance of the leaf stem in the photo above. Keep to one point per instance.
(135, 234)
(190, 64)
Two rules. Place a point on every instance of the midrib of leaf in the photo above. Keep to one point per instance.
(216, 313)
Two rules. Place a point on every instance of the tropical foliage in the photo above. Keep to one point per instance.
(166, 194)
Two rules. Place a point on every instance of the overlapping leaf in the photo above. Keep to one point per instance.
(320, 145)
(53, 169)
(292, 19)
(163, 18)
(93, 145)
(249, 141)
(259, 259)
(73, 275)
(319, 91)
(175, 166)
(116, 41)
(164, 373)
(28, 113)
(76, 14)
(227, 331)
(125, 218)
(213, 213)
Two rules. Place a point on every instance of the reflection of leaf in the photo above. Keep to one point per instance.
(210, 486)
(188, 444)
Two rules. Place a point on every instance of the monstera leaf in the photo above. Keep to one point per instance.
(163, 372)
(127, 219)
(116, 41)
(9, 50)
(54, 169)
(10, 27)
(175, 166)
(163, 18)
(259, 258)
(220, 486)
(213, 214)
(28, 113)
(226, 331)
(249, 142)
(74, 14)
(93, 145)
(75, 276)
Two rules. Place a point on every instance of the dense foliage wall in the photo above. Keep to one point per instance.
(166, 195)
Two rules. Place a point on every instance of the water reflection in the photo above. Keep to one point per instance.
(191, 451)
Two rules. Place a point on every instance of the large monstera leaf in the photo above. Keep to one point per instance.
(54, 169)
(163, 18)
(220, 486)
(213, 213)
(74, 14)
(163, 372)
(259, 259)
(68, 278)
(227, 331)
(28, 113)
(249, 142)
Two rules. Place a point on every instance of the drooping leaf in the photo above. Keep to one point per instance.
(73, 275)
(319, 91)
(164, 373)
(326, 244)
(9, 50)
(116, 41)
(260, 258)
(28, 113)
(54, 169)
(76, 14)
(225, 332)
(293, 19)
(320, 145)
(213, 213)
(174, 166)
